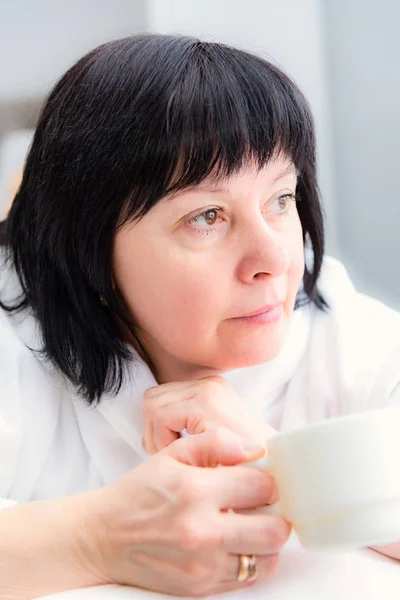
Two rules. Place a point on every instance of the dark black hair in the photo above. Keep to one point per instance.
(111, 138)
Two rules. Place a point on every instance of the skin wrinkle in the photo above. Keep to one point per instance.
(187, 286)
(162, 492)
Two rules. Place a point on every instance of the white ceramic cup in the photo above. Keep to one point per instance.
(339, 480)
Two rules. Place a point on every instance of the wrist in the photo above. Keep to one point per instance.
(49, 543)
(82, 533)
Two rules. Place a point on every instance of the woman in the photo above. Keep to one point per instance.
(163, 271)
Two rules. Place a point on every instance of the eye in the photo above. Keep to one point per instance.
(207, 218)
(281, 204)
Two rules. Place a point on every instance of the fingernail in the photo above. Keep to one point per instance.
(253, 449)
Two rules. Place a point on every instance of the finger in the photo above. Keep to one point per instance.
(163, 426)
(171, 419)
(212, 448)
(166, 388)
(240, 488)
(155, 408)
(151, 407)
(148, 437)
(153, 402)
(176, 386)
(163, 435)
(254, 534)
(266, 566)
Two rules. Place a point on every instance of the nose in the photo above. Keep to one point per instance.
(264, 253)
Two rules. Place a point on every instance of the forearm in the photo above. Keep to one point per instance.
(40, 549)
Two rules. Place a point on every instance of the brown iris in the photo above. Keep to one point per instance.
(210, 217)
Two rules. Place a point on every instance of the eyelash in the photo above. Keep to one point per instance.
(217, 209)
(204, 230)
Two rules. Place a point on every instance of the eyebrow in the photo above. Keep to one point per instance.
(290, 170)
(210, 187)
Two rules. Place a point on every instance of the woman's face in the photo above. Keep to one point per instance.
(201, 260)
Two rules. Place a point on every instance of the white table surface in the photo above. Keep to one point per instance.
(359, 575)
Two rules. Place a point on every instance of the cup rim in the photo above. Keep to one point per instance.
(333, 421)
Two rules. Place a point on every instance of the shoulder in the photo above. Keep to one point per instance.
(357, 339)
(19, 331)
(30, 396)
(360, 315)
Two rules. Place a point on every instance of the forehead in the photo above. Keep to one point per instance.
(278, 168)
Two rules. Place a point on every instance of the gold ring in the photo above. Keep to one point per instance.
(247, 568)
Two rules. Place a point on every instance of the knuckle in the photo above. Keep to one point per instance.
(150, 391)
(270, 489)
(146, 398)
(216, 384)
(197, 536)
(205, 398)
(274, 493)
(211, 388)
(218, 379)
(221, 437)
(147, 407)
(167, 468)
(189, 540)
(209, 394)
(158, 418)
(262, 484)
(200, 535)
(278, 531)
(190, 492)
(191, 537)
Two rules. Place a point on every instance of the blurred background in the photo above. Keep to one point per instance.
(344, 54)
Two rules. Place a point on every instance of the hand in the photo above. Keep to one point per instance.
(390, 550)
(165, 526)
(198, 406)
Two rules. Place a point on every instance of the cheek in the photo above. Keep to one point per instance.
(295, 248)
(164, 289)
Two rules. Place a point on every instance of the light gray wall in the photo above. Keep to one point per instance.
(343, 53)
(40, 39)
(364, 56)
(288, 32)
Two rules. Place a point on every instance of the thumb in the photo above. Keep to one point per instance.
(213, 448)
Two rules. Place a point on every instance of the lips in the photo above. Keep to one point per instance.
(264, 309)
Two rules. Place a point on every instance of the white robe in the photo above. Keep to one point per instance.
(53, 444)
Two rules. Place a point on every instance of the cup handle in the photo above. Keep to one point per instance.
(270, 509)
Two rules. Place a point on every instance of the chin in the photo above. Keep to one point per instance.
(259, 349)
(257, 358)
(250, 356)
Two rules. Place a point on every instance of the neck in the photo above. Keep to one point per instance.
(167, 368)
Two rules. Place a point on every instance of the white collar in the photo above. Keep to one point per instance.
(258, 385)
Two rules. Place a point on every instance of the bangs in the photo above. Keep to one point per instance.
(223, 109)
(134, 120)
